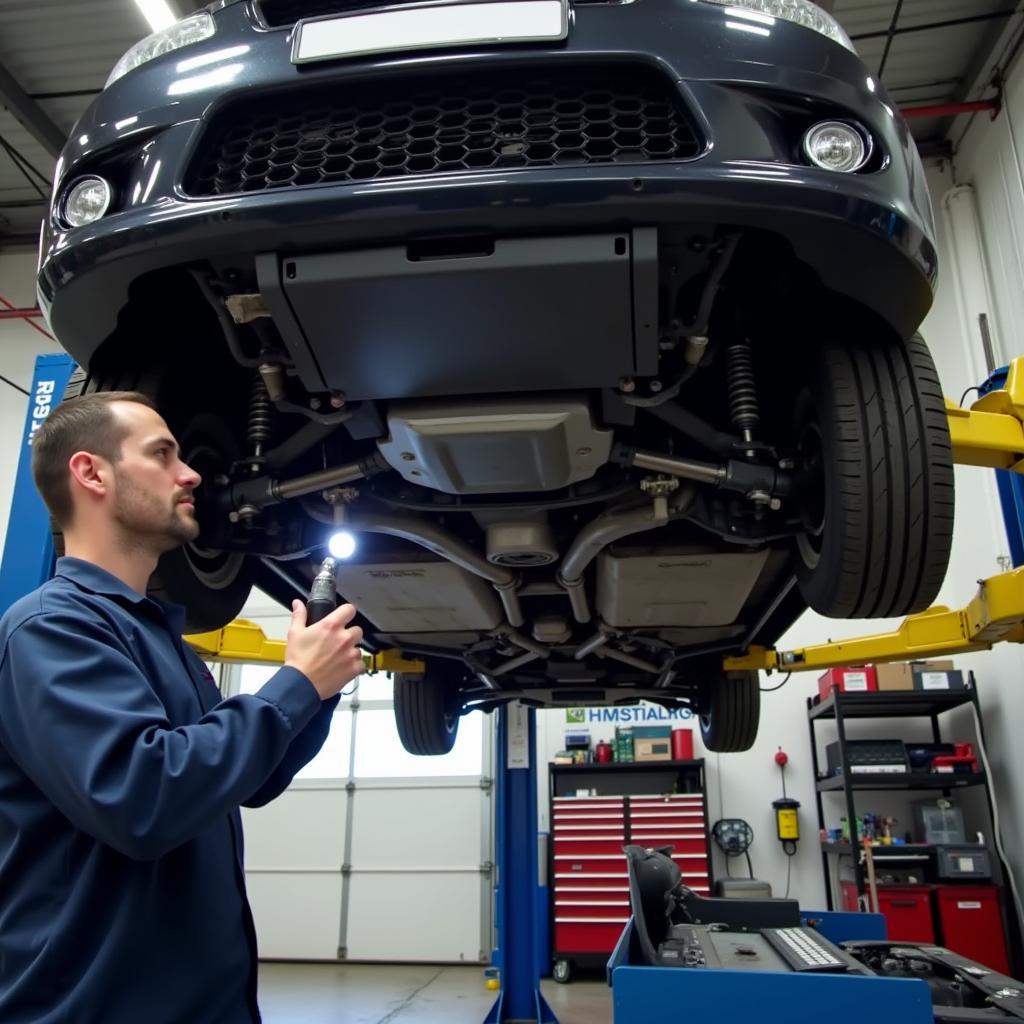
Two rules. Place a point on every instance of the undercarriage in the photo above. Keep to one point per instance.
(695, 462)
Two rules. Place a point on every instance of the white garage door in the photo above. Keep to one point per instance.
(373, 854)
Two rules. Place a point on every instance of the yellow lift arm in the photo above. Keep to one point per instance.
(996, 613)
(244, 641)
(990, 434)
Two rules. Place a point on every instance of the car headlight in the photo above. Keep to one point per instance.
(87, 201)
(835, 146)
(182, 33)
(802, 12)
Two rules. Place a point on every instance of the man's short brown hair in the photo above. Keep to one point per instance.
(86, 423)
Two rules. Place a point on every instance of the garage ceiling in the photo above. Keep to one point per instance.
(55, 56)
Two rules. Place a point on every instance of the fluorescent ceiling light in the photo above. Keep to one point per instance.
(158, 13)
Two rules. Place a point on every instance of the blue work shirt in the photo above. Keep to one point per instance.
(122, 887)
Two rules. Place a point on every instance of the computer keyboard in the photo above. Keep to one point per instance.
(803, 949)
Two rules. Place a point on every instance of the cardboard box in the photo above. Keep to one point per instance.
(895, 677)
(652, 749)
(931, 679)
(904, 676)
(858, 679)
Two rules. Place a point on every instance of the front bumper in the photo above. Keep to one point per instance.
(867, 236)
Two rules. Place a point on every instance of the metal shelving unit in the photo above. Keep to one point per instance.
(843, 707)
(913, 780)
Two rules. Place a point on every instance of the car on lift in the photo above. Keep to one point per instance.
(594, 323)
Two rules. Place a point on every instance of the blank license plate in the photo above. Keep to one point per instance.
(421, 28)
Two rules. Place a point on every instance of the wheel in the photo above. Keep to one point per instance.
(875, 480)
(730, 712)
(211, 584)
(425, 714)
(562, 971)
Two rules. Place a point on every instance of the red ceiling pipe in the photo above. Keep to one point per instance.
(952, 109)
(20, 314)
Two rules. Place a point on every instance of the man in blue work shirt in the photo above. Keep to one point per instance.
(122, 894)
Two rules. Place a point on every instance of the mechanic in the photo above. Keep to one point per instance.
(122, 894)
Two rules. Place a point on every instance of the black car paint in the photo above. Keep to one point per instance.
(867, 235)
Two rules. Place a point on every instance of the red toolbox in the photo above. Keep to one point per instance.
(971, 924)
(862, 679)
(907, 910)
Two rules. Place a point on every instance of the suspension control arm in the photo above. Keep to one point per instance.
(732, 475)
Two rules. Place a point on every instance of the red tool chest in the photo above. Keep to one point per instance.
(967, 919)
(971, 924)
(588, 866)
(907, 910)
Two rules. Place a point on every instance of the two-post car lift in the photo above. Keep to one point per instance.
(989, 434)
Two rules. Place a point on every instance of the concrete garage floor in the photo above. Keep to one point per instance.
(414, 994)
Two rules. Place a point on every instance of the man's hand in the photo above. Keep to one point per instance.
(326, 653)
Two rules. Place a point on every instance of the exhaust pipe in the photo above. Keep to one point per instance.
(438, 540)
(605, 530)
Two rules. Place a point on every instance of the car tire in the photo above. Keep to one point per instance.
(730, 712)
(562, 971)
(426, 723)
(212, 586)
(876, 462)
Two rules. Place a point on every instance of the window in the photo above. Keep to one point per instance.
(379, 751)
(333, 760)
(380, 754)
(379, 686)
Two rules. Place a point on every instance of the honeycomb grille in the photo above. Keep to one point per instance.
(372, 130)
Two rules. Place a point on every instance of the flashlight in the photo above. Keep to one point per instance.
(323, 595)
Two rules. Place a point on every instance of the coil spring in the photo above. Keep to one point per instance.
(743, 405)
(260, 428)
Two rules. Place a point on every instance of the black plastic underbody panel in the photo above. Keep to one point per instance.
(521, 314)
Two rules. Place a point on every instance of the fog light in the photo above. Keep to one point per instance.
(834, 146)
(87, 201)
(342, 545)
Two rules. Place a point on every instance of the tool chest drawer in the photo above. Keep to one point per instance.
(589, 846)
(567, 864)
(576, 906)
(595, 935)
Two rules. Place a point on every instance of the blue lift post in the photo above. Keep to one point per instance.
(517, 908)
(28, 550)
